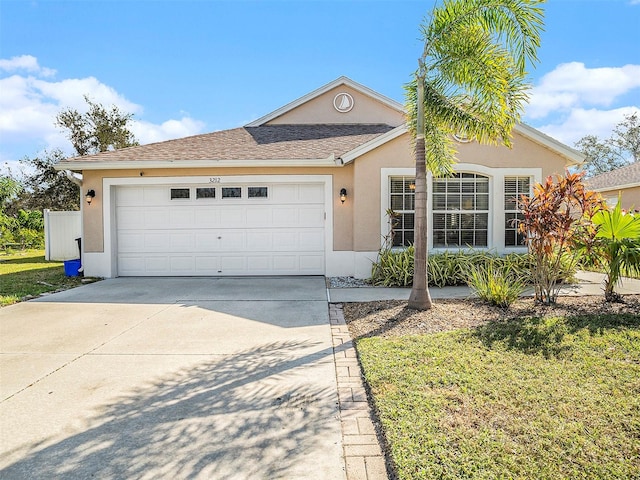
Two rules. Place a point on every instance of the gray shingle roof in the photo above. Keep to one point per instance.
(621, 176)
(267, 142)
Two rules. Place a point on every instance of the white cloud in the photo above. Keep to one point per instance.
(581, 122)
(29, 105)
(27, 63)
(147, 132)
(572, 85)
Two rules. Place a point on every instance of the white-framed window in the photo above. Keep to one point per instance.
(514, 188)
(460, 211)
(402, 202)
(180, 193)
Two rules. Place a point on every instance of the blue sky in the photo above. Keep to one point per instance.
(190, 67)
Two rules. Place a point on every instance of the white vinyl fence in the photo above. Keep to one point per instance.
(60, 232)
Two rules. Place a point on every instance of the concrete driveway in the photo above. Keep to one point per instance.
(217, 378)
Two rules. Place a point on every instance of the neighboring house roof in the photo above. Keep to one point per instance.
(276, 145)
(624, 177)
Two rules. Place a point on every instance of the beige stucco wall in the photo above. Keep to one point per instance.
(356, 223)
(93, 235)
(630, 197)
(321, 110)
(398, 153)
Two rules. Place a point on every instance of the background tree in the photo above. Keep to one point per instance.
(47, 187)
(97, 130)
(471, 81)
(620, 149)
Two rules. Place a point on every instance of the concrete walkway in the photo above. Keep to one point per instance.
(588, 283)
(171, 378)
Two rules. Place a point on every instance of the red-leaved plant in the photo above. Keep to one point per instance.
(556, 217)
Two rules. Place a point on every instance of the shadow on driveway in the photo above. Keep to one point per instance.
(256, 414)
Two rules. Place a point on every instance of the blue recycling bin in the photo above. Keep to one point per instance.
(71, 267)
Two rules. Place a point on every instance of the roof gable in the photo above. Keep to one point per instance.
(342, 101)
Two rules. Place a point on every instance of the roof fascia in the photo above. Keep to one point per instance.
(616, 187)
(330, 161)
(322, 90)
(360, 150)
(573, 157)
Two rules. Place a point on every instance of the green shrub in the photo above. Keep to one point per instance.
(495, 284)
(394, 268)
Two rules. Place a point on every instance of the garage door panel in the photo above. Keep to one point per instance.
(259, 217)
(310, 216)
(182, 264)
(155, 195)
(154, 217)
(207, 216)
(207, 264)
(129, 197)
(158, 264)
(285, 263)
(181, 242)
(233, 241)
(309, 263)
(181, 217)
(129, 217)
(280, 234)
(232, 216)
(259, 241)
(207, 241)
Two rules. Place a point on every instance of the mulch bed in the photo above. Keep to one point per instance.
(393, 318)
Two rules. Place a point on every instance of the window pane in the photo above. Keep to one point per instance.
(483, 185)
(439, 186)
(396, 202)
(439, 202)
(509, 238)
(453, 186)
(438, 221)
(453, 202)
(257, 192)
(397, 239)
(410, 202)
(231, 192)
(468, 202)
(482, 202)
(438, 238)
(481, 238)
(408, 238)
(482, 221)
(524, 185)
(397, 185)
(179, 193)
(408, 221)
(205, 193)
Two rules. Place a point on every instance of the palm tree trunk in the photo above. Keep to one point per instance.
(420, 299)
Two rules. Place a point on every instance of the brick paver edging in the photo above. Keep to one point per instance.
(363, 456)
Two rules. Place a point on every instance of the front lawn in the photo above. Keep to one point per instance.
(542, 397)
(27, 273)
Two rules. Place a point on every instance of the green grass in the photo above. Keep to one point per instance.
(550, 398)
(27, 273)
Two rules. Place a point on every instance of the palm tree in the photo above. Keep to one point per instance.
(471, 81)
(620, 234)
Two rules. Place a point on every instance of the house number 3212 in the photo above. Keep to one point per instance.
(214, 179)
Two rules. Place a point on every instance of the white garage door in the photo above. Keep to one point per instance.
(244, 229)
